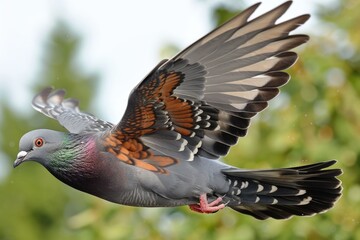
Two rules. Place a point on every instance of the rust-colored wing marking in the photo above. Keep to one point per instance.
(152, 109)
(133, 152)
(155, 121)
(181, 112)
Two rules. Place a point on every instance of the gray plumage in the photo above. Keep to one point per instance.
(180, 119)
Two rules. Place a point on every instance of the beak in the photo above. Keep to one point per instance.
(20, 158)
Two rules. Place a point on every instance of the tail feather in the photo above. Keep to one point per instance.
(281, 193)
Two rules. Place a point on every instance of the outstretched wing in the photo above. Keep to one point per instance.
(201, 101)
(66, 112)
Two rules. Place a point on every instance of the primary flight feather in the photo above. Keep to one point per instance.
(186, 114)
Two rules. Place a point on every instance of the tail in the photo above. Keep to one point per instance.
(281, 193)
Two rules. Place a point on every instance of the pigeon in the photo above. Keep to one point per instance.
(180, 120)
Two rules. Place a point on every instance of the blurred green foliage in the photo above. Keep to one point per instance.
(315, 118)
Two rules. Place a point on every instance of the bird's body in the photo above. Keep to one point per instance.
(70, 163)
(180, 120)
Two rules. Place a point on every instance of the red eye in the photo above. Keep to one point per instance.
(39, 142)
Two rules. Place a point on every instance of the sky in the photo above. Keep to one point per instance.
(121, 40)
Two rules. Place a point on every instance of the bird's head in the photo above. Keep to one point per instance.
(38, 146)
(72, 158)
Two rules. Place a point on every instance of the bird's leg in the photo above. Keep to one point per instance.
(205, 207)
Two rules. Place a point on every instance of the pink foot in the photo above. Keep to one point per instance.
(205, 207)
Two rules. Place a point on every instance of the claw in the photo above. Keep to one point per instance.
(205, 207)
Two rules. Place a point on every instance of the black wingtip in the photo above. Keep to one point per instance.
(287, 4)
(255, 6)
(305, 17)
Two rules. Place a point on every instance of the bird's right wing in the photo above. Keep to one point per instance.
(201, 101)
(66, 111)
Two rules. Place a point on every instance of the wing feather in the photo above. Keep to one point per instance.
(52, 104)
(201, 101)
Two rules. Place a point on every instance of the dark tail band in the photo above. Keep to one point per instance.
(281, 193)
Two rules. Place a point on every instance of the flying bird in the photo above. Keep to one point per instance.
(184, 116)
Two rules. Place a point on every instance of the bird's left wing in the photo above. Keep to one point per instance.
(66, 112)
(201, 101)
